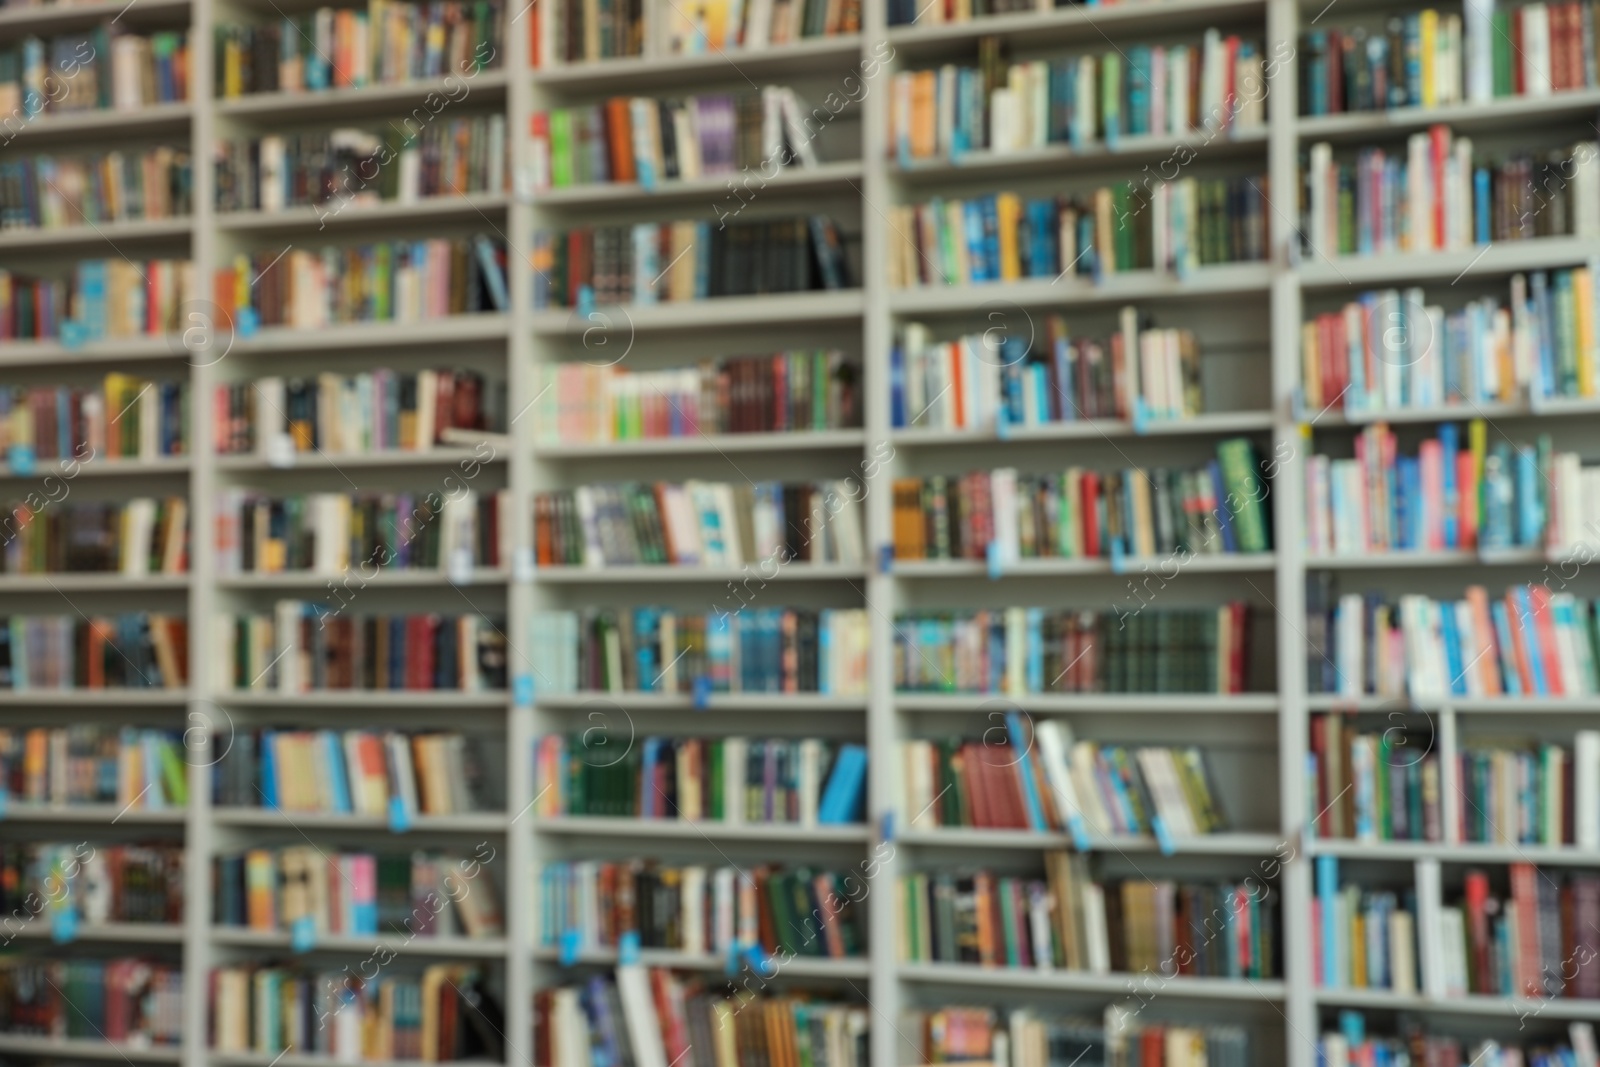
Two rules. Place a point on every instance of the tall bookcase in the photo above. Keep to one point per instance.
(1248, 317)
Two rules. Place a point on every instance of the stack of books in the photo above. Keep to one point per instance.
(136, 539)
(133, 650)
(126, 1000)
(64, 766)
(135, 883)
(100, 298)
(106, 68)
(1032, 650)
(1383, 786)
(50, 192)
(125, 418)
(808, 782)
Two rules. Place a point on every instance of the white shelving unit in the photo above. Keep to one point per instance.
(1254, 311)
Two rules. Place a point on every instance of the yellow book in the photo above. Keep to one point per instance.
(1008, 210)
(1358, 951)
(1429, 23)
(1478, 443)
(1311, 366)
(1583, 303)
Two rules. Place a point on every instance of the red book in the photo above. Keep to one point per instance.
(1519, 644)
(1540, 596)
(1439, 141)
(1478, 937)
(1519, 83)
(1525, 892)
(1087, 513)
(619, 139)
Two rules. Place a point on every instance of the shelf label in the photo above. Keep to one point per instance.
(569, 947)
(1080, 835)
(280, 451)
(459, 570)
(885, 559)
(399, 817)
(64, 925)
(5, 801)
(760, 962)
(886, 826)
(302, 934)
(1002, 427)
(1163, 836)
(628, 947)
(74, 334)
(22, 459)
(1141, 417)
(730, 966)
(992, 556)
(522, 564)
(248, 322)
(585, 301)
(522, 690)
(700, 693)
(647, 175)
(958, 145)
(1119, 562)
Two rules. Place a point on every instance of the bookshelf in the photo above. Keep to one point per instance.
(1248, 316)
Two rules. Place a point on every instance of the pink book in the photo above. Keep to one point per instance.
(1430, 457)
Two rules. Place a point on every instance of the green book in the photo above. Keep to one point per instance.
(1503, 84)
(1122, 226)
(560, 148)
(1008, 921)
(718, 812)
(1242, 482)
(1111, 99)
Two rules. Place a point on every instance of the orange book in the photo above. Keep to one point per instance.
(619, 136)
(1008, 210)
(983, 897)
(260, 879)
(1551, 660)
(923, 113)
(958, 383)
(34, 763)
(1519, 644)
(1484, 662)
(100, 634)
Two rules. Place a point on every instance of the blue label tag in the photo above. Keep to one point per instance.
(885, 559)
(1002, 427)
(958, 145)
(1119, 562)
(886, 826)
(569, 947)
(22, 459)
(1180, 267)
(1112, 135)
(730, 966)
(992, 554)
(1080, 835)
(399, 817)
(700, 693)
(1141, 416)
(647, 174)
(249, 322)
(760, 962)
(64, 925)
(1163, 835)
(628, 947)
(586, 300)
(522, 690)
(1297, 402)
(902, 152)
(74, 334)
(302, 934)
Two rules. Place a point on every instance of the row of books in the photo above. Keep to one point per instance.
(105, 69)
(589, 905)
(1385, 786)
(360, 534)
(381, 410)
(135, 539)
(657, 262)
(645, 140)
(101, 298)
(1067, 920)
(390, 41)
(98, 884)
(304, 646)
(1059, 784)
(654, 1018)
(1448, 497)
(1141, 373)
(1530, 643)
(1434, 197)
(90, 764)
(1480, 55)
(348, 165)
(50, 192)
(388, 281)
(810, 782)
(699, 524)
(1081, 100)
(1177, 226)
(126, 1000)
(1390, 350)
(125, 418)
(1017, 651)
(1006, 516)
(957, 1034)
(442, 1014)
(1352, 1046)
(1534, 937)
(355, 772)
(718, 25)
(301, 889)
(132, 650)
(782, 393)
(659, 650)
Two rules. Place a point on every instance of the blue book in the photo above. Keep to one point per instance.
(337, 771)
(972, 216)
(652, 754)
(844, 796)
(1539, 293)
(1138, 74)
(1481, 201)
(269, 769)
(1022, 744)
(1502, 634)
(1407, 498)
(494, 275)
(1529, 629)
(1451, 635)
(991, 236)
(1450, 444)
(1328, 896)
(1066, 397)
(1041, 391)
(1413, 39)
(1530, 518)
(897, 387)
(1224, 520)
(702, 272)
(1035, 637)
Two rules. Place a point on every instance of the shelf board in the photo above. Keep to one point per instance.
(811, 308)
(795, 966)
(1555, 407)
(1415, 268)
(411, 578)
(53, 353)
(88, 1048)
(794, 572)
(842, 176)
(367, 100)
(752, 702)
(1115, 287)
(325, 460)
(1477, 1004)
(94, 814)
(1074, 23)
(1580, 705)
(1117, 984)
(1469, 852)
(90, 233)
(1059, 158)
(95, 468)
(445, 699)
(122, 933)
(967, 837)
(792, 833)
(1512, 113)
(283, 1059)
(149, 120)
(108, 582)
(429, 209)
(462, 947)
(1430, 558)
(44, 19)
(1215, 422)
(638, 72)
(342, 335)
(472, 822)
(1220, 563)
(96, 698)
(709, 444)
(1116, 703)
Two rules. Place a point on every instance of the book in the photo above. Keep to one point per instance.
(131, 650)
(123, 999)
(1365, 938)
(107, 68)
(1525, 792)
(50, 192)
(98, 884)
(125, 418)
(1352, 1044)
(303, 646)
(99, 298)
(1033, 650)
(136, 539)
(1383, 786)
(85, 764)
(1029, 1038)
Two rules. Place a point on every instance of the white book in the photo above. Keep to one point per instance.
(810, 779)
(1088, 787)
(1003, 494)
(1536, 50)
(1092, 899)
(1586, 788)
(1453, 933)
(1055, 743)
(1429, 928)
(1480, 51)
(735, 751)
(692, 911)
(1402, 952)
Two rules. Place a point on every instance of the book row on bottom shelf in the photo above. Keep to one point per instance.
(1026, 1037)
(124, 1000)
(1351, 1045)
